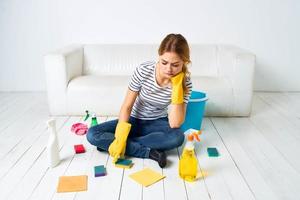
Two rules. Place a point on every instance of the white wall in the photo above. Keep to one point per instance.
(268, 28)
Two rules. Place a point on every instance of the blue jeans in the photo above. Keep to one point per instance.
(144, 135)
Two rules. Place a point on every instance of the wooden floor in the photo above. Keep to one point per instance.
(259, 156)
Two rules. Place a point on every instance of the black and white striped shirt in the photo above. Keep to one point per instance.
(153, 100)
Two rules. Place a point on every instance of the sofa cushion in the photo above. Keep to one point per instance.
(102, 94)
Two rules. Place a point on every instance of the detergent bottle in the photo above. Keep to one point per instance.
(188, 164)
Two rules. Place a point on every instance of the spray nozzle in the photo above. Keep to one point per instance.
(87, 115)
(194, 135)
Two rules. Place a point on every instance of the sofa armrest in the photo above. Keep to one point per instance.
(61, 66)
(237, 65)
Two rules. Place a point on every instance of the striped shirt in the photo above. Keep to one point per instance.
(153, 100)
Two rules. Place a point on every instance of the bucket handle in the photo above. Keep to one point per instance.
(198, 100)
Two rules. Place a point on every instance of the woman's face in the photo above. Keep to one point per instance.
(170, 64)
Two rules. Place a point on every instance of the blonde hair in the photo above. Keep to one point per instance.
(177, 43)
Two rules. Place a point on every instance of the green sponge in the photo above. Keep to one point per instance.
(212, 152)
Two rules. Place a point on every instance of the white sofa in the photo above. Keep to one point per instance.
(95, 77)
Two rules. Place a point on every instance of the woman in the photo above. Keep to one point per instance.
(144, 128)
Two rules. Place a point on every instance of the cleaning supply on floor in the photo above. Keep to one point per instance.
(124, 163)
(212, 152)
(188, 164)
(100, 170)
(94, 120)
(72, 183)
(147, 177)
(52, 146)
(79, 128)
(79, 148)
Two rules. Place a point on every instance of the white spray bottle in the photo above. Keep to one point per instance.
(52, 146)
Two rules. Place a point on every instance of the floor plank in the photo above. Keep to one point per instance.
(131, 189)
(95, 184)
(241, 139)
(285, 105)
(281, 133)
(155, 191)
(174, 186)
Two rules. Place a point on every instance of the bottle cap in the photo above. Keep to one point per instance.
(193, 136)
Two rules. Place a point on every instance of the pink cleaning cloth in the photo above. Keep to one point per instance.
(79, 128)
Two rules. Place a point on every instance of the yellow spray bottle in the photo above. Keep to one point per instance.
(188, 164)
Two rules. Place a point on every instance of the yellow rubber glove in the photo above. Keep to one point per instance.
(118, 146)
(177, 89)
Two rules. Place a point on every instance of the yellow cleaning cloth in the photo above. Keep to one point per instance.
(72, 184)
(146, 177)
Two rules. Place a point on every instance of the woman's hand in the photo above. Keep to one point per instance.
(118, 146)
(177, 112)
(177, 89)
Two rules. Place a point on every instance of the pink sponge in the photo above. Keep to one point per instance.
(79, 128)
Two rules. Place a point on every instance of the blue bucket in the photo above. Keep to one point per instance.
(195, 111)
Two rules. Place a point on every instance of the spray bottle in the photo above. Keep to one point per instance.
(94, 120)
(52, 146)
(188, 164)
